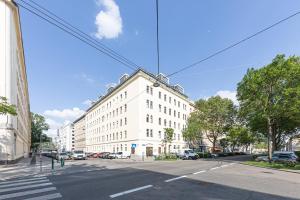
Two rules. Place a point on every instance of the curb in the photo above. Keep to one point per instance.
(282, 170)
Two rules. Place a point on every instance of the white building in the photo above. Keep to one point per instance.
(66, 138)
(132, 116)
(15, 131)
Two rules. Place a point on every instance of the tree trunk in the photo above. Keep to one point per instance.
(269, 139)
(214, 144)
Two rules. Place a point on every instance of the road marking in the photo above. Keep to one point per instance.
(19, 194)
(202, 171)
(23, 183)
(214, 168)
(130, 191)
(23, 180)
(24, 187)
(173, 179)
(46, 197)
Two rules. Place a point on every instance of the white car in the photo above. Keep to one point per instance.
(122, 155)
(188, 154)
(78, 155)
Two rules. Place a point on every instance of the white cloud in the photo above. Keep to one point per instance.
(65, 114)
(108, 21)
(87, 102)
(228, 94)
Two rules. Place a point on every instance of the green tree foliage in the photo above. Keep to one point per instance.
(192, 134)
(214, 117)
(6, 108)
(224, 143)
(240, 136)
(169, 134)
(270, 99)
(38, 126)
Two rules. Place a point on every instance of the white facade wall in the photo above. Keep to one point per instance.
(66, 138)
(15, 133)
(103, 125)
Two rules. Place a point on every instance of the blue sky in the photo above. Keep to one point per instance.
(64, 72)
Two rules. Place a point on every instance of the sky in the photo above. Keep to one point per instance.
(64, 74)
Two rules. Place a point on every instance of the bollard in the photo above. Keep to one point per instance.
(52, 164)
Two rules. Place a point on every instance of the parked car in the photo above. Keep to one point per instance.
(120, 155)
(112, 156)
(62, 155)
(188, 154)
(285, 157)
(104, 155)
(78, 155)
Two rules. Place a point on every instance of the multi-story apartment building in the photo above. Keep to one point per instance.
(66, 138)
(15, 131)
(132, 116)
(79, 133)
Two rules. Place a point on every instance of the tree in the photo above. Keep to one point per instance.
(240, 135)
(169, 134)
(215, 116)
(6, 108)
(192, 134)
(38, 126)
(224, 143)
(269, 99)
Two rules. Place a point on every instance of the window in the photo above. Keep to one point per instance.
(151, 132)
(178, 137)
(159, 95)
(125, 94)
(165, 122)
(165, 110)
(147, 118)
(125, 122)
(125, 108)
(147, 89)
(178, 115)
(148, 103)
(170, 124)
(165, 97)
(121, 110)
(174, 113)
(121, 135)
(159, 134)
(159, 121)
(151, 104)
(121, 122)
(125, 148)
(151, 119)
(159, 107)
(151, 90)
(125, 134)
(174, 102)
(170, 99)
(179, 104)
(174, 125)
(170, 111)
(147, 132)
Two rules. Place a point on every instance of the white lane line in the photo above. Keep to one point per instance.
(23, 183)
(130, 191)
(214, 168)
(22, 180)
(24, 187)
(202, 171)
(173, 179)
(19, 194)
(46, 197)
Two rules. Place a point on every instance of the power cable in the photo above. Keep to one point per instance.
(233, 45)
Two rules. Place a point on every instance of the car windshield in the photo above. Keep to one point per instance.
(63, 154)
(78, 151)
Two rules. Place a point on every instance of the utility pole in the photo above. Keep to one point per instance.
(40, 152)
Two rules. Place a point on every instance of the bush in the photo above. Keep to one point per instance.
(297, 153)
(166, 157)
(204, 155)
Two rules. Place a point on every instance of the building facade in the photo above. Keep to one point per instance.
(66, 138)
(79, 133)
(15, 131)
(132, 116)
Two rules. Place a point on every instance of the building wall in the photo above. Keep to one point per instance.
(79, 134)
(15, 131)
(66, 138)
(106, 132)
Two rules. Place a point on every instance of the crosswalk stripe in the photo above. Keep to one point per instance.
(23, 183)
(24, 187)
(19, 194)
(46, 197)
(23, 180)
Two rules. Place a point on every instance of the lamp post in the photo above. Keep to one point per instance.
(40, 152)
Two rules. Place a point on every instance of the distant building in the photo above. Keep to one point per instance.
(15, 131)
(79, 133)
(132, 116)
(66, 138)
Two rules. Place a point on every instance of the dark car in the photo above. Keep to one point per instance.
(103, 155)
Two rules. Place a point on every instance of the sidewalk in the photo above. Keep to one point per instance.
(25, 168)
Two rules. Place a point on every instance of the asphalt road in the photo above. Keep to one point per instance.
(124, 179)
(217, 179)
